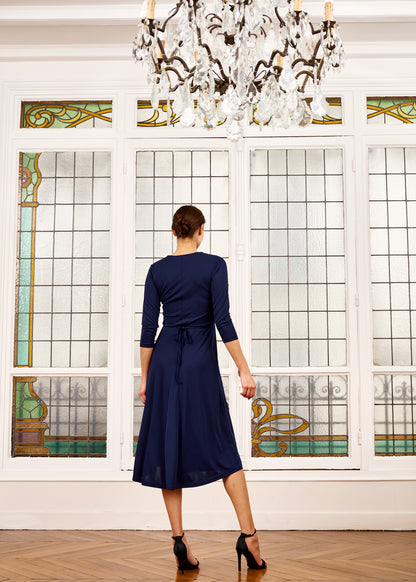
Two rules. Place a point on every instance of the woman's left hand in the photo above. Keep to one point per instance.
(142, 391)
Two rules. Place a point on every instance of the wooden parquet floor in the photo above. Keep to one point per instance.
(139, 556)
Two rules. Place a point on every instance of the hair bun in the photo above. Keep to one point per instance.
(184, 226)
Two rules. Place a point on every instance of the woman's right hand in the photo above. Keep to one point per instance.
(248, 384)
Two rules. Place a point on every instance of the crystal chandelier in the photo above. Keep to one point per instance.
(218, 61)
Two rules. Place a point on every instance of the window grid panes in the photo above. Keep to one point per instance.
(166, 180)
(300, 416)
(392, 192)
(63, 259)
(297, 265)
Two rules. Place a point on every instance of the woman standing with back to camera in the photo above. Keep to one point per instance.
(186, 437)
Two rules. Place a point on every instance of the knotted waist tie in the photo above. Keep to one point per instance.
(183, 336)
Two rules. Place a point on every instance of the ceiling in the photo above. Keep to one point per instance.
(110, 12)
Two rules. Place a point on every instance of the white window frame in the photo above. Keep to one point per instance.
(120, 388)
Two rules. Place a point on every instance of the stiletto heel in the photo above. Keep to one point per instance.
(241, 548)
(179, 549)
(239, 560)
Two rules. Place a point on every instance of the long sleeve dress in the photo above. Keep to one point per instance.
(186, 436)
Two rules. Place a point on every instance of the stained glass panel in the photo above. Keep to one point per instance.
(58, 114)
(391, 110)
(59, 416)
(395, 414)
(300, 416)
(148, 117)
(63, 259)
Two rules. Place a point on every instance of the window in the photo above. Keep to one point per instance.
(94, 211)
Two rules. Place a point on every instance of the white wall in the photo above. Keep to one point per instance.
(375, 497)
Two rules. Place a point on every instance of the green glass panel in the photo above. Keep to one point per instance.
(24, 300)
(26, 215)
(57, 114)
(297, 448)
(24, 271)
(25, 244)
(23, 326)
(26, 406)
(395, 446)
(22, 353)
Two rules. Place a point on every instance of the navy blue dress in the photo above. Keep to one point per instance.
(186, 436)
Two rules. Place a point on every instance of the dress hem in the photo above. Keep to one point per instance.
(191, 484)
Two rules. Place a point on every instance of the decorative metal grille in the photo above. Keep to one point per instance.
(392, 191)
(300, 416)
(297, 247)
(59, 416)
(165, 181)
(395, 414)
(149, 117)
(391, 110)
(59, 114)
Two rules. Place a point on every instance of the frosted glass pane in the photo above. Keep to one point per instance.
(259, 162)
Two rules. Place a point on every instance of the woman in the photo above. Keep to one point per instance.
(186, 437)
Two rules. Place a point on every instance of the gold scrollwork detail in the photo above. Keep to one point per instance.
(56, 114)
(260, 428)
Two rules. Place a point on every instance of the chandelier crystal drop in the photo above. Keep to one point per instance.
(218, 61)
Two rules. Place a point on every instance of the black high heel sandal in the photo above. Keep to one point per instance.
(179, 549)
(241, 548)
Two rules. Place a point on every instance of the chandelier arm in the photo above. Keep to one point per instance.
(170, 60)
(272, 57)
(281, 21)
(178, 75)
(308, 75)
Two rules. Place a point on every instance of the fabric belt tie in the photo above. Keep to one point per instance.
(183, 337)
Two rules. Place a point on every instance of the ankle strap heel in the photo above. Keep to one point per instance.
(241, 548)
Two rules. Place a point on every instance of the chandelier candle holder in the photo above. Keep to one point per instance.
(218, 61)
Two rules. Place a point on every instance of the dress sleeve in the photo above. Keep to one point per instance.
(221, 303)
(151, 310)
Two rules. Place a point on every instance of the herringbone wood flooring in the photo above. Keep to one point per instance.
(113, 555)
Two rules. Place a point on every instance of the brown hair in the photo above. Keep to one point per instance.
(186, 221)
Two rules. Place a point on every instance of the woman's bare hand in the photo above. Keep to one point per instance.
(248, 384)
(142, 391)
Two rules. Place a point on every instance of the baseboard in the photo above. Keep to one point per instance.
(208, 521)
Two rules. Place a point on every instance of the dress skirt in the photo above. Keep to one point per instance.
(186, 436)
